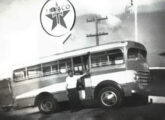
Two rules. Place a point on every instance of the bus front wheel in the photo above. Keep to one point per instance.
(109, 97)
(47, 105)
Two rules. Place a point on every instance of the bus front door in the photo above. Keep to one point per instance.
(81, 65)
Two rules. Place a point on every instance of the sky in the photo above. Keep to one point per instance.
(23, 41)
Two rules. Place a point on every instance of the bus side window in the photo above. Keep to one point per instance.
(95, 62)
(115, 57)
(64, 65)
(19, 75)
(85, 59)
(50, 68)
(78, 65)
(55, 69)
(46, 70)
(99, 59)
(68, 64)
(34, 71)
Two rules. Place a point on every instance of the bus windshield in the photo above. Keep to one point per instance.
(135, 53)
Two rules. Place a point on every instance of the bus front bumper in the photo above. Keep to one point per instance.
(135, 88)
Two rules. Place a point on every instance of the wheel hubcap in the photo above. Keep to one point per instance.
(46, 106)
(108, 98)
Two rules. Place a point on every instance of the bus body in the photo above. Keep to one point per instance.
(115, 70)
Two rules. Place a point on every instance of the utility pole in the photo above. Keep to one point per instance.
(97, 34)
(134, 4)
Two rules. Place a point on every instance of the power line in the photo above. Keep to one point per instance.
(97, 34)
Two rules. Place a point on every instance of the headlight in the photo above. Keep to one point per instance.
(136, 77)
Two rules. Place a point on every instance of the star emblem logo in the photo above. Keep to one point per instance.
(57, 17)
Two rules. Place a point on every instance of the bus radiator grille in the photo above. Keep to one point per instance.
(144, 77)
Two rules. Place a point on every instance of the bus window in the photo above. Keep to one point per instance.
(115, 57)
(19, 75)
(68, 64)
(85, 59)
(142, 54)
(78, 65)
(99, 59)
(55, 68)
(46, 70)
(50, 68)
(64, 65)
(134, 53)
(34, 71)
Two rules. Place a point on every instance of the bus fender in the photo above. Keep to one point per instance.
(107, 83)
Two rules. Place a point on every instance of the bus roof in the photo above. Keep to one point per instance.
(83, 51)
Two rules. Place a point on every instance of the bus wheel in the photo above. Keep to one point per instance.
(109, 97)
(47, 105)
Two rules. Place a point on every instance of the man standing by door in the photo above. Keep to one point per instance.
(71, 86)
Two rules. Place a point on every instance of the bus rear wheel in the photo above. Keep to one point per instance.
(109, 97)
(47, 105)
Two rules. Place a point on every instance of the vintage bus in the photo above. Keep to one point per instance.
(116, 70)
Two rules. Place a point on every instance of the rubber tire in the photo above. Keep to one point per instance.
(114, 90)
(50, 100)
